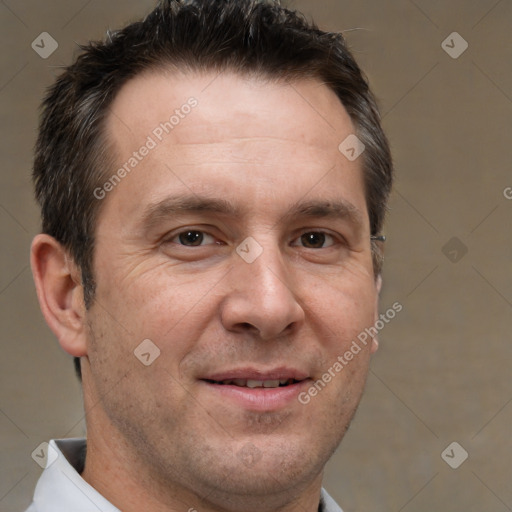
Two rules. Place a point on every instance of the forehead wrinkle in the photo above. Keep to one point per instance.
(339, 208)
(175, 205)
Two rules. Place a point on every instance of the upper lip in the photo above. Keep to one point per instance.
(257, 374)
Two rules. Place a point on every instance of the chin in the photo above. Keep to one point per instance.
(259, 470)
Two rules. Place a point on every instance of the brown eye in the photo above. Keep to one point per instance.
(315, 240)
(191, 238)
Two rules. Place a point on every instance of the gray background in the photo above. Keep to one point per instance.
(442, 373)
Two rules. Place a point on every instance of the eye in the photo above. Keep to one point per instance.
(192, 238)
(314, 240)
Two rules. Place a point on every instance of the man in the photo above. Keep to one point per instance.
(213, 182)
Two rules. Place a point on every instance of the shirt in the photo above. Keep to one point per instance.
(61, 488)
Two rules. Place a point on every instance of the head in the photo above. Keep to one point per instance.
(240, 107)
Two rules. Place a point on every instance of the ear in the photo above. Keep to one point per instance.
(378, 286)
(60, 293)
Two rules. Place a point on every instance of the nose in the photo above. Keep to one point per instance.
(261, 298)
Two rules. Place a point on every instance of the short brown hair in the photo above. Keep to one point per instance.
(247, 36)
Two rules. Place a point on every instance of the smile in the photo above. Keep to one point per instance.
(256, 390)
(250, 383)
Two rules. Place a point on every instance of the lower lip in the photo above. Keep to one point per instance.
(259, 399)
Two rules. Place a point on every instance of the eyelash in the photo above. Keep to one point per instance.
(335, 239)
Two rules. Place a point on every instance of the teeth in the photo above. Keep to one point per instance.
(249, 383)
(254, 383)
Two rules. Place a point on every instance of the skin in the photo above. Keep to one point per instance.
(159, 439)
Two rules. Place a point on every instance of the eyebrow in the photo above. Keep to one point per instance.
(337, 209)
(175, 205)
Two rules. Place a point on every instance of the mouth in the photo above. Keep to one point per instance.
(252, 383)
(257, 390)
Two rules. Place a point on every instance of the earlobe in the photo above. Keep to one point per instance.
(378, 286)
(60, 293)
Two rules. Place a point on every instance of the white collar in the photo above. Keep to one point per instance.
(61, 488)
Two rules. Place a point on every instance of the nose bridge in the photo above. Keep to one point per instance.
(261, 294)
(265, 269)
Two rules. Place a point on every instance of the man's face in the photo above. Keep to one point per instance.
(240, 246)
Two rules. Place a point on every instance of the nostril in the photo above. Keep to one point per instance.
(246, 326)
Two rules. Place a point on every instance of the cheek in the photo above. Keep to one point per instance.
(343, 304)
(151, 292)
(341, 312)
(171, 309)
(118, 363)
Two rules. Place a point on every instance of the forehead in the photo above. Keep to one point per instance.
(157, 93)
(223, 132)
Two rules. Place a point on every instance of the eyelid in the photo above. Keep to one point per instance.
(338, 238)
(169, 237)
